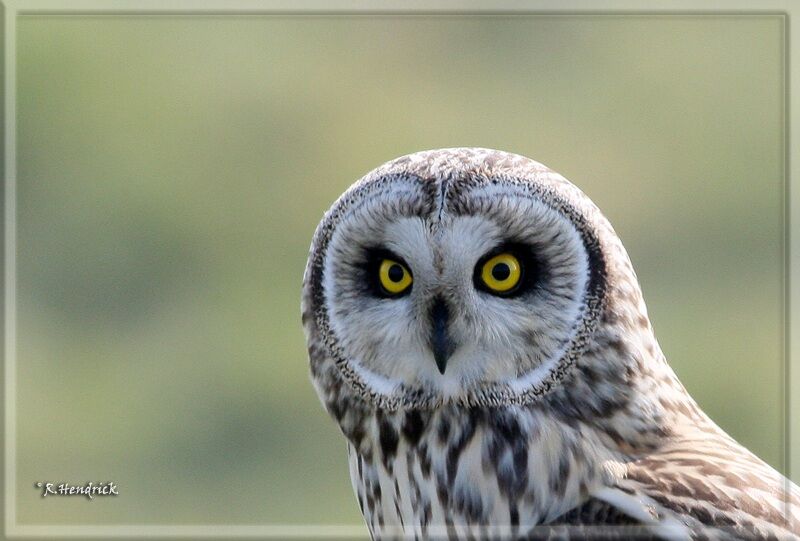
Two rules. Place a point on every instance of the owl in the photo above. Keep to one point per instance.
(477, 331)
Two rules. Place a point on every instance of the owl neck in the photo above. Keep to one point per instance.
(622, 385)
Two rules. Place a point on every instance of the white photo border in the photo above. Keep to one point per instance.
(788, 10)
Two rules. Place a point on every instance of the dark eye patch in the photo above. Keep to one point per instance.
(370, 275)
(533, 269)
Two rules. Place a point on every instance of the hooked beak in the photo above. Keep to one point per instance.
(441, 345)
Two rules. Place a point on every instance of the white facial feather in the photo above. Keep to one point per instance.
(513, 341)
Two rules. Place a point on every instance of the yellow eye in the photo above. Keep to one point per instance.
(394, 277)
(501, 273)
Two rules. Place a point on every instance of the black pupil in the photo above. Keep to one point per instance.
(396, 273)
(501, 271)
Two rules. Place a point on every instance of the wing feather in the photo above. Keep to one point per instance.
(707, 487)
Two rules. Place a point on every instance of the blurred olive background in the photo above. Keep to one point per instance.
(172, 170)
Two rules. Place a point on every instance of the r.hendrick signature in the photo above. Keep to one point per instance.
(90, 489)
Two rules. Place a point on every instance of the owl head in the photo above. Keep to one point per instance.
(463, 275)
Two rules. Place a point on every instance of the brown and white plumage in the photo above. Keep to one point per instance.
(547, 414)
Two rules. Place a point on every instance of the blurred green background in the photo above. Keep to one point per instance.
(171, 171)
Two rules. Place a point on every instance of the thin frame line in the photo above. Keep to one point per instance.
(786, 281)
(394, 13)
(10, 264)
(10, 238)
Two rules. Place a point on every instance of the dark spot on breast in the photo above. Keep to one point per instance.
(424, 461)
(337, 409)
(388, 440)
(413, 427)
(590, 374)
(355, 435)
(521, 463)
(442, 493)
(505, 424)
(444, 430)
(455, 450)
